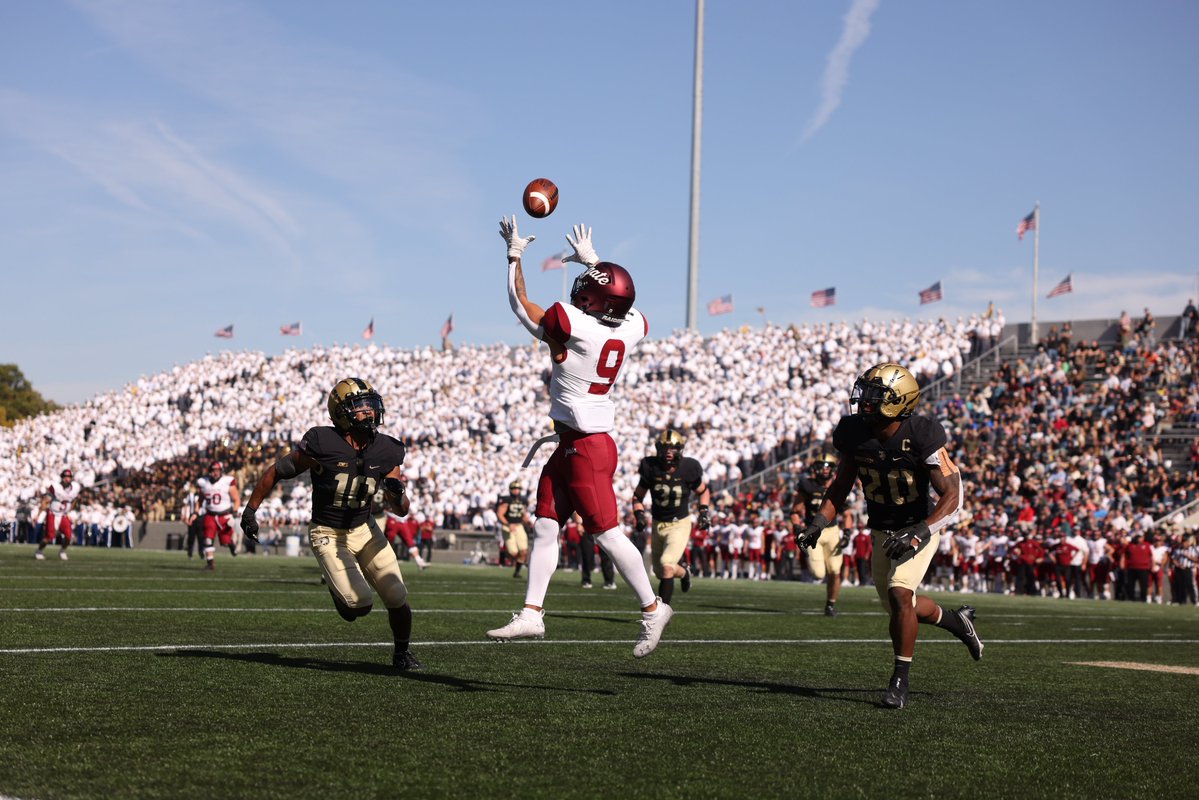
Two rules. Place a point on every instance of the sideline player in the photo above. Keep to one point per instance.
(670, 478)
(513, 511)
(349, 461)
(898, 457)
(588, 342)
(825, 555)
(59, 498)
(218, 493)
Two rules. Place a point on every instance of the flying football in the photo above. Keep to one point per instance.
(540, 197)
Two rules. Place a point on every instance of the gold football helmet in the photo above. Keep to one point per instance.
(516, 487)
(350, 397)
(669, 445)
(885, 392)
(823, 467)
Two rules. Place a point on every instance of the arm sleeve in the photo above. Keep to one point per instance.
(517, 307)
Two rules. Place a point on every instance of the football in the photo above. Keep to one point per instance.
(540, 197)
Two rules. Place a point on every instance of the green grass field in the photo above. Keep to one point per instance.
(136, 674)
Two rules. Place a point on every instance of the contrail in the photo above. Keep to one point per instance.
(836, 70)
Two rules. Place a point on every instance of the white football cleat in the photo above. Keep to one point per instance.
(652, 625)
(38, 555)
(62, 555)
(525, 624)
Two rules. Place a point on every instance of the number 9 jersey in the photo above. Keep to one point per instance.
(595, 353)
(345, 479)
(894, 473)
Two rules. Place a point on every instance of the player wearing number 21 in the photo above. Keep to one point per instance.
(349, 462)
(588, 340)
(898, 457)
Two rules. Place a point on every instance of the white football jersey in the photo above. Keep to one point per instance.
(216, 494)
(753, 536)
(595, 353)
(62, 497)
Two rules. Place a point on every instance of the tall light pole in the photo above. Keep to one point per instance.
(697, 114)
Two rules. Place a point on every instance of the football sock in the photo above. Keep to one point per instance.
(516, 572)
(951, 622)
(400, 620)
(902, 667)
(629, 563)
(543, 560)
(666, 589)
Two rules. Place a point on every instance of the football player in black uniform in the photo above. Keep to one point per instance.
(513, 512)
(825, 556)
(348, 462)
(670, 478)
(898, 457)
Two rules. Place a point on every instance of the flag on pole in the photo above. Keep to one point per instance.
(225, 332)
(369, 333)
(555, 261)
(448, 327)
(721, 305)
(930, 295)
(825, 297)
(1065, 286)
(1029, 223)
(290, 330)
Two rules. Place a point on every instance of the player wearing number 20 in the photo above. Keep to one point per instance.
(588, 340)
(898, 457)
(349, 462)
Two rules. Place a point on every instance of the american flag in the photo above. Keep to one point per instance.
(448, 327)
(290, 330)
(824, 297)
(555, 261)
(225, 332)
(1029, 223)
(721, 305)
(1064, 286)
(369, 333)
(931, 295)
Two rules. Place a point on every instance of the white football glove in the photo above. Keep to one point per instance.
(516, 245)
(583, 253)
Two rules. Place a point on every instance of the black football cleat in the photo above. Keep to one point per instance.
(896, 695)
(685, 581)
(406, 662)
(830, 609)
(968, 635)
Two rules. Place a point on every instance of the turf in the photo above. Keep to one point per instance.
(136, 674)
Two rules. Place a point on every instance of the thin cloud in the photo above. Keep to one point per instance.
(836, 70)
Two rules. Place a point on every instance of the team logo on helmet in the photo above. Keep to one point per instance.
(350, 398)
(605, 292)
(885, 392)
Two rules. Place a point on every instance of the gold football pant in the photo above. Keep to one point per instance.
(517, 538)
(824, 559)
(668, 542)
(907, 575)
(356, 559)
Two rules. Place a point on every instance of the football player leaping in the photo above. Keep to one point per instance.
(670, 478)
(825, 556)
(348, 462)
(588, 342)
(898, 456)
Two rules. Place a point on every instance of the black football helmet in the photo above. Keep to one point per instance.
(669, 445)
(350, 397)
(884, 393)
(605, 292)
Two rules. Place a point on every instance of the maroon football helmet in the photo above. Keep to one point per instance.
(605, 292)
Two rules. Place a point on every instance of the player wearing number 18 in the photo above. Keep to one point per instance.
(349, 462)
(898, 457)
(588, 342)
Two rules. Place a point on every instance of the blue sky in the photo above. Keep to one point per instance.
(169, 168)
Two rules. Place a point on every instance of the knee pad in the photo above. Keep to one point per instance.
(348, 612)
(394, 594)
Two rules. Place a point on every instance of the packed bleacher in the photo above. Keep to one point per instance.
(1057, 441)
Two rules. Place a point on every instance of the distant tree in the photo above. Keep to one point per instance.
(18, 398)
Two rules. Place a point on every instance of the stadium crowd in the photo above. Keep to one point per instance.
(1052, 446)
